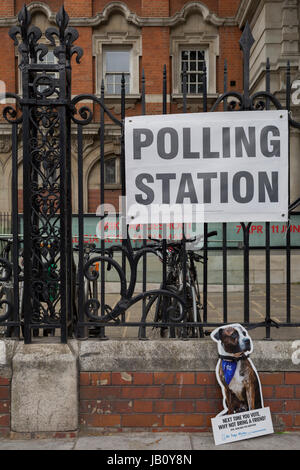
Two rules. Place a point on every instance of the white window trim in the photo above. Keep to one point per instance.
(206, 58)
(117, 40)
(206, 41)
(118, 48)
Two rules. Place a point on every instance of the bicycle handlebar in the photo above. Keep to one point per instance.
(191, 240)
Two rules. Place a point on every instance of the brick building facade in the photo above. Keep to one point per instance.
(127, 37)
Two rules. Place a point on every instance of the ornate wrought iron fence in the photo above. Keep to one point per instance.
(49, 291)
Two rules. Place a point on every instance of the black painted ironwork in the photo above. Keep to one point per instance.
(47, 296)
(49, 288)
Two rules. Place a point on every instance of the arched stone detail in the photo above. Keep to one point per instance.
(91, 159)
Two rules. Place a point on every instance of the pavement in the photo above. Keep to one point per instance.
(155, 442)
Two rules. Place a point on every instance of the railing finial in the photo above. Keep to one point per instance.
(62, 20)
(246, 42)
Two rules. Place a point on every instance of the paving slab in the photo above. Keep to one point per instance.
(136, 441)
(37, 444)
(155, 441)
(276, 441)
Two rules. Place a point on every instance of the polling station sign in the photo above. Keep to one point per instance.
(228, 166)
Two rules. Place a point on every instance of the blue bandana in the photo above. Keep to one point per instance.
(229, 368)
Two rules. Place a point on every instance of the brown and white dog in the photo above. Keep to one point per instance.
(235, 372)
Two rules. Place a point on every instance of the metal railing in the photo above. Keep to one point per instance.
(65, 291)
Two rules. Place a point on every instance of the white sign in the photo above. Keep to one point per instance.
(230, 167)
(244, 415)
(296, 92)
(241, 426)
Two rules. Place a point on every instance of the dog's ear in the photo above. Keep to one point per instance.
(217, 334)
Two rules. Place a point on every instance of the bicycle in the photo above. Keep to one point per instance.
(174, 282)
(163, 304)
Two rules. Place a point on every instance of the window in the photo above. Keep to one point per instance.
(191, 44)
(116, 62)
(110, 171)
(117, 48)
(48, 59)
(193, 62)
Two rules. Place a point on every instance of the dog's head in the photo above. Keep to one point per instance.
(232, 339)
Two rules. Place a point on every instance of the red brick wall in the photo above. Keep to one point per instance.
(158, 40)
(111, 196)
(4, 406)
(229, 38)
(228, 8)
(153, 39)
(177, 5)
(175, 401)
(133, 5)
(79, 7)
(7, 8)
(82, 74)
(156, 9)
(281, 391)
(53, 4)
(7, 74)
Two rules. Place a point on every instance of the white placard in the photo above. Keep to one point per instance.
(239, 426)
(234, 164)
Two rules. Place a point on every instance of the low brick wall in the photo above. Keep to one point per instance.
(149, 400)
(175, 401)
(281, 391)
(7, 350)
(177, 396)
(97, 386)
(4, 406)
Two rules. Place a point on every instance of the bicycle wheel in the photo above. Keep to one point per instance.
(155, 312)
(192, 316)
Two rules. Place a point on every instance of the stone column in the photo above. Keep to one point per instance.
(44, 391)
(290, 27)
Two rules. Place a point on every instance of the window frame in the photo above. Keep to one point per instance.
(118, 40)
(116, 48)
(117, 182)
(96, 166)
(19, 60)
(187, 40)
(191, 48)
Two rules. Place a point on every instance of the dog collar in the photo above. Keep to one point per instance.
(233, 359)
